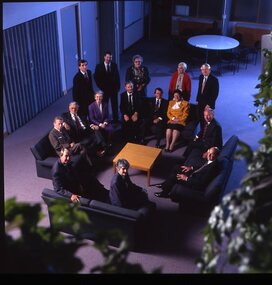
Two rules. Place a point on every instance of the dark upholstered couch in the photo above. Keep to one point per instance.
(103, 216)
(210, 196)
(45, 157)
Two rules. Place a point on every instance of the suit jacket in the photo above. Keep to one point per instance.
(213, 136)
(201, 177)
(124, 193)
(161, 112)
(95, 116)
(64, 180)
(83, 92)
(79, 180)
(125, 107)
(181, 114)
(108, 82)
(75, 133)
(144, 79)
(186, 86)
(210, 92)
(59, 140)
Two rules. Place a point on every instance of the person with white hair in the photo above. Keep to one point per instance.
(182, 81)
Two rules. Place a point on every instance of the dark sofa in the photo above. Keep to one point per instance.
(103, 216)
(45, 157)
(207, 198)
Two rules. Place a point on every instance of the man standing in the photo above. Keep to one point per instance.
(83, 92)
(208, 89)
(107, 79)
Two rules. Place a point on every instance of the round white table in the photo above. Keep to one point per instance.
(213, 42)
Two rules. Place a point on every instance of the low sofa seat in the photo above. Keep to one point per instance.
(210, 195)
(103, 216)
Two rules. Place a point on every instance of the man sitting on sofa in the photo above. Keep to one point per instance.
(195, 177)
(209, 135)
(124, 193)
(78, 182)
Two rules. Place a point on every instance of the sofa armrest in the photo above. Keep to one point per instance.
(111, 209)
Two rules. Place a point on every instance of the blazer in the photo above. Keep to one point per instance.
(124, 104)
(59, 140)
(161, 112)
(145, 79)
(213, 135)
(124, 193)
(95, 116)
(210, 92)
(83, 92)
(75, 133)
(200, 178)
(181, 114)
(109, 82)
(186, 86)
(64, 180)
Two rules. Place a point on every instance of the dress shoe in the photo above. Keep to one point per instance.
(162, 194)
(159, 185)
(158, 146)
(166, 150)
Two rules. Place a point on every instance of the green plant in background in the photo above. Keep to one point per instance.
(31, 248)
(239, 230)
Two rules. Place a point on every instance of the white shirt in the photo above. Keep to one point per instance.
(73, 117)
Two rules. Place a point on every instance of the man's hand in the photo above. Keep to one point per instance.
(155, 121)
(66, 126)
(126, 118)
(72, 144)
(185, 168)
(134, 117)
(75, 198)
(182, 177)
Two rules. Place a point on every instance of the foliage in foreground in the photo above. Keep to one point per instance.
(31, 248)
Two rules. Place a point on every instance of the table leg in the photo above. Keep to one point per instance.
(148, 178)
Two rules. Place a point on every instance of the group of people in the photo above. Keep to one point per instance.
(86, 130)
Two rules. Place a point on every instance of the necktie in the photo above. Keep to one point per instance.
(77, 122)
(86, 75)
(130, 100)
(108, 68)
(157, 106)
(200, 168)
(204, 131)
(203, 84)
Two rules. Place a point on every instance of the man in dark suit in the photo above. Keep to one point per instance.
(107, 78)
(157, 117)
(75, 183)
(123, 192)
(80, 131)
(194, 176)
(59, 139)
(83, 92)
(208, 89)
(209, 135)
(130, 108)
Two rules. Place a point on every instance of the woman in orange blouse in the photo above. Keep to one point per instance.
(177, 113)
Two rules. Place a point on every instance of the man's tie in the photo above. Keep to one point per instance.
(86, 75)
(77, 122)
(200, 168)
(157, 105)
(204, 130)
(108, 68)
(203, 84)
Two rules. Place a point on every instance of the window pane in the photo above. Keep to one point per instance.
(244, 10)
(211, 9)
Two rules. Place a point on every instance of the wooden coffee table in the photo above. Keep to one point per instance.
(139, 157)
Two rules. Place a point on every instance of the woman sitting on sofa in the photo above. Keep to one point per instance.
(177, 113)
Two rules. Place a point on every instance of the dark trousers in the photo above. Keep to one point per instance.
(158, 130)
(134, 131)
(114, 104)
